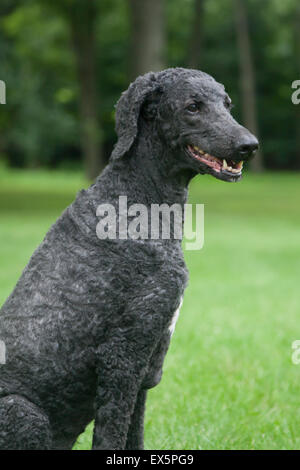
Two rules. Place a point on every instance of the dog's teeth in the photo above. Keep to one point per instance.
(229, 168)
(224, 165)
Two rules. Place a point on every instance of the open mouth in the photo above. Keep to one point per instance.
(224, 167)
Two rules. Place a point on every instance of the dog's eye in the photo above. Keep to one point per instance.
(193, 107)
(228, 104)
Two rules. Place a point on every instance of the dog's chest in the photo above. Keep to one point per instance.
(174, 278)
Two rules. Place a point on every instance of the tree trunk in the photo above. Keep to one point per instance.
(196, 39)
(82, 21)
(247, 77)
(148, 36)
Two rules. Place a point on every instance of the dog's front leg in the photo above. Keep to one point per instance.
(122, 367)
(135, 436)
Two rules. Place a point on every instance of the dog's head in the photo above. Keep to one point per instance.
(191, 114)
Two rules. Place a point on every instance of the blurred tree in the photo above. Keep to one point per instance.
(148, 36)
(247, 77)
(82, 16)
(197, 36)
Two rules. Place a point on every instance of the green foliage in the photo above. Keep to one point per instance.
(37, 66)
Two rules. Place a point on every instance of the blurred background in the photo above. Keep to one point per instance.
(229, 381)
(65, 63)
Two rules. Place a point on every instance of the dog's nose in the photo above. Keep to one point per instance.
(246, 148)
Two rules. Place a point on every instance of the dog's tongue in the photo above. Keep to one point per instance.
(209, 160)
(216, 163)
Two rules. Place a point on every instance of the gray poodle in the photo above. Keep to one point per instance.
(86, 329)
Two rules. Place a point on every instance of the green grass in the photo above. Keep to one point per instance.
(229, 382)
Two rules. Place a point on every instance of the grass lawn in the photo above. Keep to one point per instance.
(229, 382)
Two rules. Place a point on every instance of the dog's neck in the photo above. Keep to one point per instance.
(147, 175)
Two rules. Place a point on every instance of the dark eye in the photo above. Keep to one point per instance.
(193, 107)
(228, 104)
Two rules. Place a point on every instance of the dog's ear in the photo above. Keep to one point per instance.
(150, 105)
(129, 108)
